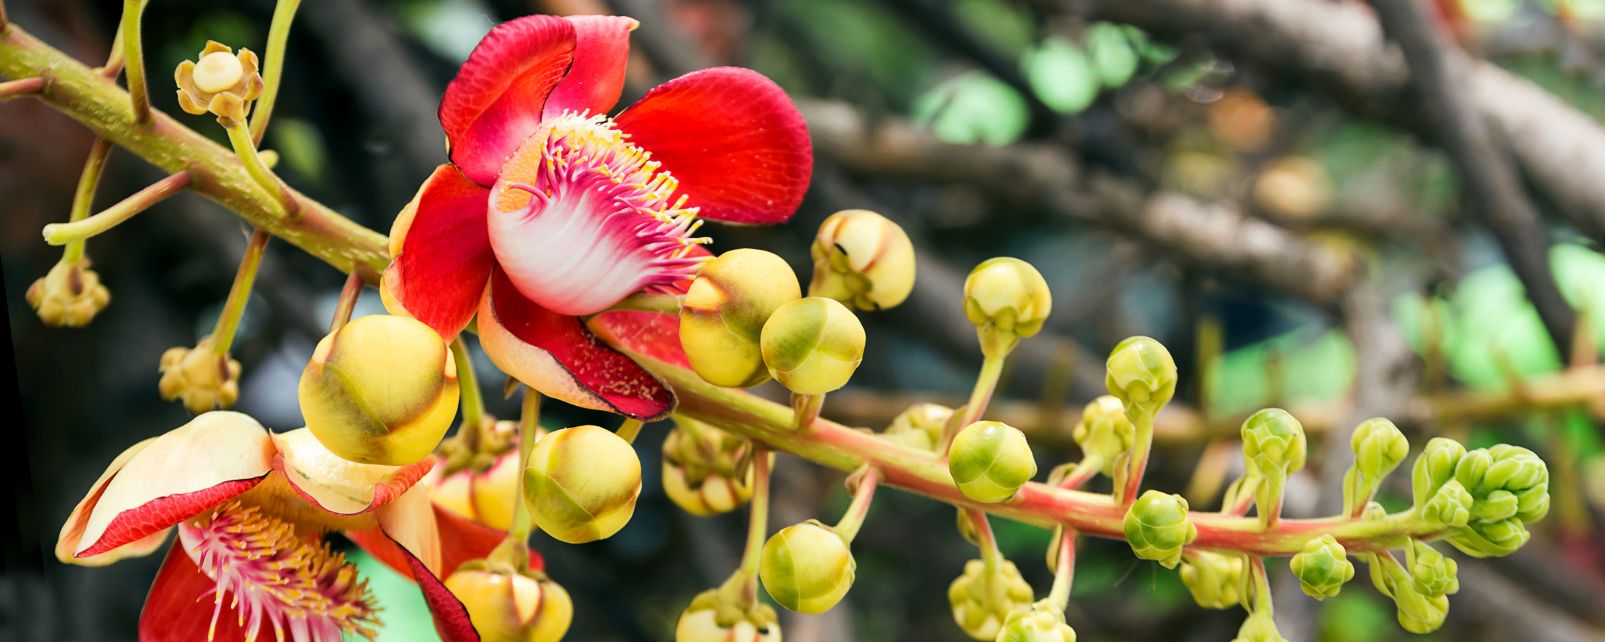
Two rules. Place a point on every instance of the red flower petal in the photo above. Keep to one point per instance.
(594, 82)
(180, 605)
(442, 253)
(653, 334)
(161, 514)
(495, 101)
(733, 139)
(451, 617)
(558, 356)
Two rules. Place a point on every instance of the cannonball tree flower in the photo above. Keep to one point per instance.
(251, 507)
(550, 211)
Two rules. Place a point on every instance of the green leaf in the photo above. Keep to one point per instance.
(1062, 75)
(973, 108)
(1112, 53)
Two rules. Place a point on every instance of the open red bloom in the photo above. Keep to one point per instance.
(550, 211)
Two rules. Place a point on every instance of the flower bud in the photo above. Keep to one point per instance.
(700, 622)
(1510, 486)
(1041, 622)
(1418, 612)
(1157, 527)
(1322, 568)
(218, 81)
(1273, 443)
(1259, 627)
(920, 426)
(1434, 467)
(1216, 580)
(972, 598)
(582, 483)
(723, 314)
(1141, 374)
(504, 604)
(1450, 507)
(863, 260)
(1379, 447)
(69, 295)
(1007, 299)
(1104, 432)
(1432, 573)
(807, 567)
(479, 486)
(380, 390)
(813, 345)
(706, 471)
(990, 460)
(200, 377)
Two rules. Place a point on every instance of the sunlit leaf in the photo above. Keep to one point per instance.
(973, 108)
(1062, 75)
(1112, 53)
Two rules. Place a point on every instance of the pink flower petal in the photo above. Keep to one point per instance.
(558, 356)
(495, 101)
(651, 334)
(594, 82)
(733, 139)
(441, 253)
(72, 532)
(180, 605)
(336, 484)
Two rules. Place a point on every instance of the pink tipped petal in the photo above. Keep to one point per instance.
(594, 82)
(451, 617)
(651, 334)
(336, 484)
(495, 101)
(72, 532)
(213, 458)
(734, 140)
(558, 356)
(181, 603)
(442, 253)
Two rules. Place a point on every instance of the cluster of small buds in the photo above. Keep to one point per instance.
(1216, 580)
(982, 601)
(1507, 487)
(1157, 527)
(706, 471)
(990, 461)
(724, 311)
(1432, 573)
(1418, 611)
(479, 484)
(1007, 299)
(200, 377)
(1104, 432)
(505, 603)
(381, 390)
(1322, 568)
(812, 346)
(863, 260)
(582, 484)
(69, 295)
(219, 81)
(919, 426)
(709, 619)
(1042, 622)
(1259, 627)
(1142, 374)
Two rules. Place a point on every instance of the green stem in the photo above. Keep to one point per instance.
(630, 429)
(348, 302)
(240, 293)
(272, 67)
(986, 382)
(114, 60)
(1262, 584)
(1268, 498)
(80, 230)
(245, 148)
(745, 579)
(991, 557)
(19, 88)
(1137, 462)
(473, 402)
(134, 60)
(853, 520)
(528, 425)
(805, 410)
(84, 197)
(665, 303)
(1083, 472)
(1065, 571)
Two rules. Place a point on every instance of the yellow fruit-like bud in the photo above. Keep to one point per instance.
(1042, 622)
(920, 426)
(507, 606)
(200, 377)
(1141, 372)
(380, 390)
(1104, 432)
(863, 260)
(807, 567)
(723, 314)
(582, 484)
(1216, 580)
(982, 602)
(706, 620)
(218, 81)
(69, 295)
(483, 486)
(813, 345)
(990, 460)
(1007, 299)
(706, 471)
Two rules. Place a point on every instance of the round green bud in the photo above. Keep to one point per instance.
(1273, 442)
(1322, 568)
(980, 610)
(920, 426)
(807, 567)
(1216, 580)
(69, 296)
(863, 260)
(1419, 613)
(582, 484)
(504, 604)
(1042, 622)
(1157, 527)
(990, 461)
(706, 471)
(1007, 299)
(1450, 507)
(1379, 447)
(1510, 488)
(380, 390)
(1432, 573)
(706, 620)
(1259, 627)
(1434, 467)
(813, 345)
(1104, 432)
(1141, 374)
(723, 312)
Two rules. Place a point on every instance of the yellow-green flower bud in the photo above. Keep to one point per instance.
(1157, 527)
(1432, 573)
(1041, 622)
(1379, 447)
(1322, 568)
(706, 471)
(1259, 627)
(920, 426)
(723, 312)
(813, 345)
(1141, 374)
(218, 81)
(69, 295)
(1450, 507)
(380, 390)
(509, 605)
(990, 461)
(1007, 299)
(582, 483)
(863, 260)
(807, 567)
(1434, 467)
(1510, 486)
(1417, 611)
(201, 378)
(972, 597)
(1273, 443)
(1104, 432)
(706, 620)
(1216, 580)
